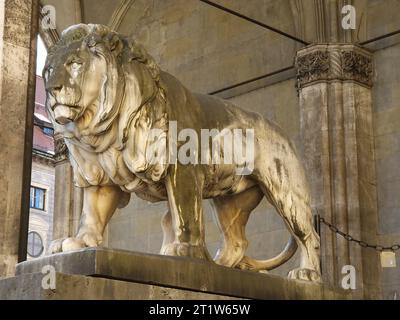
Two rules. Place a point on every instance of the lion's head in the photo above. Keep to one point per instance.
(94, 76)
(104, 90)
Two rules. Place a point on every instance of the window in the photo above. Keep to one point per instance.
(48, 131)
(35, 244)
(38, 197)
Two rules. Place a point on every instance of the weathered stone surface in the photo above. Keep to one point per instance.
(386, 121)
(324, 62)
(18, 27)
(76, 287)
(336, 123)
(182, 273)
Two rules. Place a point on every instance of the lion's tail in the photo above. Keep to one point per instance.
(285, 255)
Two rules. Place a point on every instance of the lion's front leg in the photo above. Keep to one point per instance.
(99, 204)
(168, 232)
(184, 187)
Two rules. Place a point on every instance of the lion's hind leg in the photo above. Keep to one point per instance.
(294, 208)
(233, 213)
(168, 232)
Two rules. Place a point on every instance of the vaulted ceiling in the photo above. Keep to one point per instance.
(193, 40)
(312, 20)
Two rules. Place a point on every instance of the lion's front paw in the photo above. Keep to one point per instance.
(304, 274)
(245, 265)
(66, 244)
(56, 246)
(70, 244)
(184, 249)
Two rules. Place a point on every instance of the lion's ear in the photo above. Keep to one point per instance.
(114, 43)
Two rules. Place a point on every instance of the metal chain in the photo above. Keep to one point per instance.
(361, 243)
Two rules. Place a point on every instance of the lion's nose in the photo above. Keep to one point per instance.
(56, 89)
(53, 93)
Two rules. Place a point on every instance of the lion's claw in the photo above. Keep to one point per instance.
(71, 244)
(184, 249)
(305, 275)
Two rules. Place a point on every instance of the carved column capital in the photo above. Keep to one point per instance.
(336, 62)
(60, 149)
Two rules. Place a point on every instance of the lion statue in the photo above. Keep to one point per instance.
(106, 95)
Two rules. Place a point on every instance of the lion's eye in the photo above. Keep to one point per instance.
(75, 65)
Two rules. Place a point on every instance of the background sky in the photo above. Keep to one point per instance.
(41, 56)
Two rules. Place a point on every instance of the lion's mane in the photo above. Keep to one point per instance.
(122, 121)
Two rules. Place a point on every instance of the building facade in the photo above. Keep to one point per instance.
(42, 179)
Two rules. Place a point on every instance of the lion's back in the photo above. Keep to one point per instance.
(213, 112)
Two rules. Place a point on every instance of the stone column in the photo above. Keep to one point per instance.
(18, 30)
(67, 198)
(334, 83)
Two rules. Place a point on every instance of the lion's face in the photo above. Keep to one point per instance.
(95, 81)
(74, 76)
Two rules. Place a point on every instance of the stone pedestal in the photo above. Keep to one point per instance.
(334, 83)
(18, 31)
(78, 287)
(109, 274)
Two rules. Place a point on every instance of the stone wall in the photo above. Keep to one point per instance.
(208, 49)
(386, 107)
(18, 28)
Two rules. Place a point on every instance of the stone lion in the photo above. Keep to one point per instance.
(105, 94)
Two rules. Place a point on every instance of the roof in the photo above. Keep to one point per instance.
(41, 141)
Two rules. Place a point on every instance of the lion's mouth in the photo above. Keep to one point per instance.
(64, 114)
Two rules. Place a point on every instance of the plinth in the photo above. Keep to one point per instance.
(100, 273)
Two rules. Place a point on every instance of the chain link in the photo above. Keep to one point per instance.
(361, 243)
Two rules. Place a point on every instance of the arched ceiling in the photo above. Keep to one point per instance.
(311, 20)
(193, 40)
(124, 15)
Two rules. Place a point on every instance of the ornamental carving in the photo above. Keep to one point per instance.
(312, 67)
(60, 149)
(357, 67)
(334, 63)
